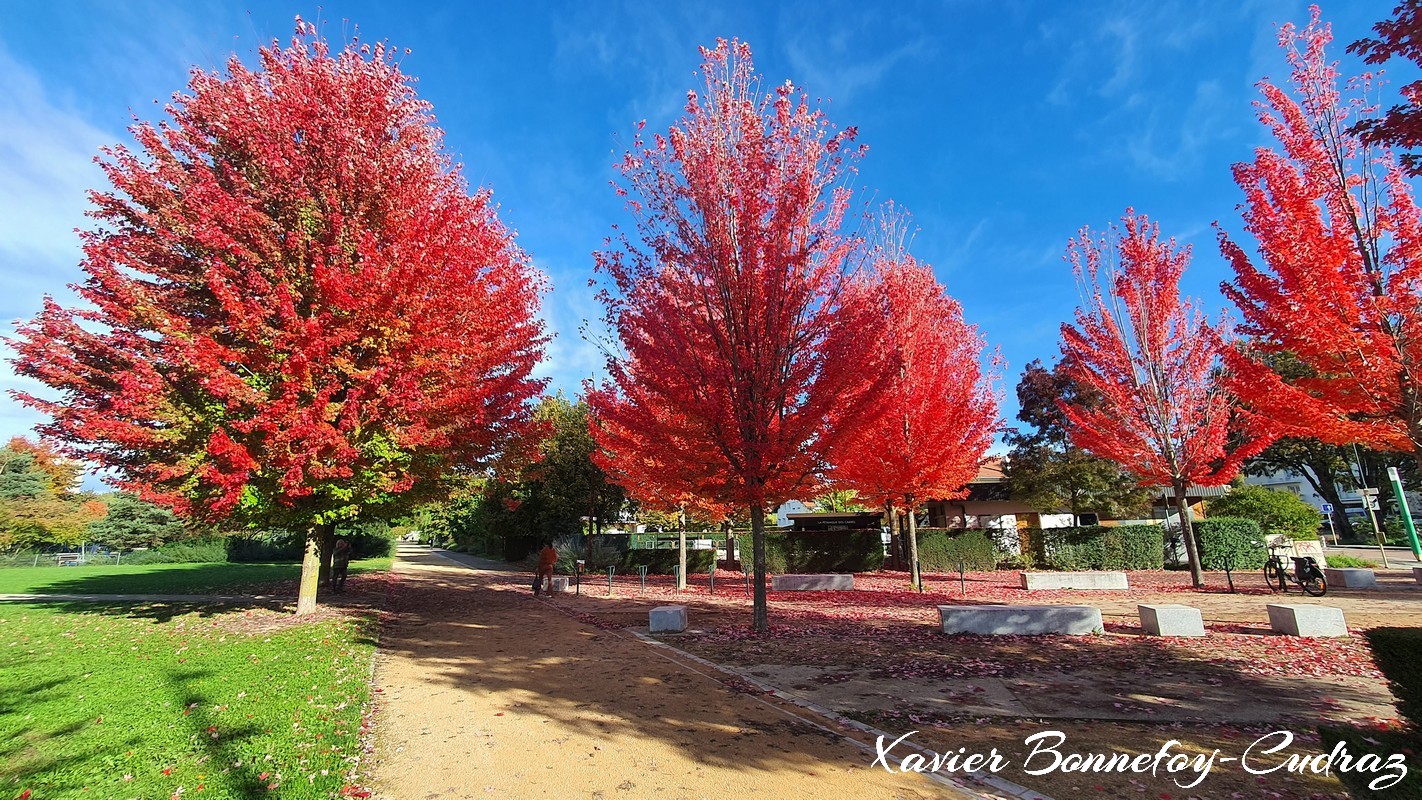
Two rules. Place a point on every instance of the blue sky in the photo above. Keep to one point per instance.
(1002, 126)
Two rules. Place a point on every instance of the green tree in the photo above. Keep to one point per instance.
(1046, 471)
(844, 500)
(1324, 466)
(35, 509)
(132, 523)
(1277, 512)
(564, 485)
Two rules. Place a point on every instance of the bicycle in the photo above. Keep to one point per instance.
(1305, 573)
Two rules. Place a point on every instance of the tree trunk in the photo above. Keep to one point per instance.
(681, 547)
(913, 541)
(1187, 533)
(890, 521)
(310, 572)
(327, 541)
(760, 620)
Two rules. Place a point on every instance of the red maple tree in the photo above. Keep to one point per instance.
(1163, 410)
(734, 345)
(1339, 290)
(937, 413)
(297, 313)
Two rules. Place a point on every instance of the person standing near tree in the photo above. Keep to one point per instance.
(340, 561)
(547, 558)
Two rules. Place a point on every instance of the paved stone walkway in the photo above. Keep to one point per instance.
(489, 692)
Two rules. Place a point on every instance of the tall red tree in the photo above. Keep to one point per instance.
(1339, 287)
(937, 413)
(297, 313)
(1164, 411)
(734, 344)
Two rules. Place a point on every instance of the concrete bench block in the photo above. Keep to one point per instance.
(1350, 578)
(1073, 580)
(1171, 620)
(667, 619)
(1302, 620)
(812, 583)
(1417, 574)
(561, 584)
(1003, 620)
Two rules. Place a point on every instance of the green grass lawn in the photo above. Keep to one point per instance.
(240, 704)
(161, 578)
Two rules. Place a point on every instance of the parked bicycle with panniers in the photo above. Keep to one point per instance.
(1305, 571)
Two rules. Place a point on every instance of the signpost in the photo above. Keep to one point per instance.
(1406, 512)
(1370, 502)
(1328, 514)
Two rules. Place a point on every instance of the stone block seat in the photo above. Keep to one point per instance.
(1006, 620)
(812, 583)
(561, 583)
(1307, 620)
(1417, 575)
(1168, 619)
(1350, 578)
(1073, 580)
(667, 619)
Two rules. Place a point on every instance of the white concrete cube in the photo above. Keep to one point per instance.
(1171, 620)
(1073, 580)
(1307, 620)
(1003, 620)
(667, 619)
(812, 583)
(561, 584)
(1350, 578)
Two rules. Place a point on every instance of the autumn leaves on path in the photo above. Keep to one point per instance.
(485, 691)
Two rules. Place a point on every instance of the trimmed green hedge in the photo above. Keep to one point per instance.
(816, 551)
(1089, 547)
(664, 562)
(940, 550)
(1232, 543)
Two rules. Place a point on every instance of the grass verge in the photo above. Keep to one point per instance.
(238, 704)
(198, 578)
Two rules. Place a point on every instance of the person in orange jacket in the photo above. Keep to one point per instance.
(547, 558)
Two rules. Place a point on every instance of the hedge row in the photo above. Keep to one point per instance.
(816, 551)
(1118, 547)
(1232, 543)
(942, 549)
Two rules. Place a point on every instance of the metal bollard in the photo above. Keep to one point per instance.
(642, 571)
(609, 580)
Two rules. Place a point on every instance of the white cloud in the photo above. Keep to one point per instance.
(46, 167)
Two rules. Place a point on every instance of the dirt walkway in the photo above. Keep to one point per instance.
(488, 692)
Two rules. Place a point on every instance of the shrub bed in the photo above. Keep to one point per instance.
(1232, 543)
(1091, 547)
(816, 551)
(941, 550)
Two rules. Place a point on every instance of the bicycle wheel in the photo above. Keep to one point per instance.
(1315, 585)
(1273, 577)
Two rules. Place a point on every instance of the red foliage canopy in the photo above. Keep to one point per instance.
(1164, 411)
(1340, 290)
(937, 413)
(736, 361)
(297, 310)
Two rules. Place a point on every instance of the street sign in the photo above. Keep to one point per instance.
(1327, 508)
